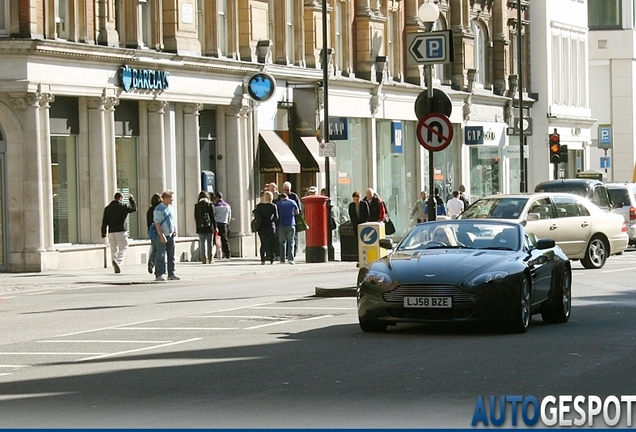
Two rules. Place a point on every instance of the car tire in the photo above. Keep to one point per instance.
(372, 326)
(523, 313)
(558, 306)
(596, 253)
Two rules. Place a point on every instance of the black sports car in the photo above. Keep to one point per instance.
(466, 270)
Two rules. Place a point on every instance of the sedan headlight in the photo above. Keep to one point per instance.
(490, 277)
(378, 278)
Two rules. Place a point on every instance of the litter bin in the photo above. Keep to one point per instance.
(348, 242)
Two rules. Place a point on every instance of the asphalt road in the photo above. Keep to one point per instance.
(263, 352)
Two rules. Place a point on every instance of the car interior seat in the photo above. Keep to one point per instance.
(506, 238)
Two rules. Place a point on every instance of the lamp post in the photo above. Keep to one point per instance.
(428, 14)
(325, 124)
(522, 174)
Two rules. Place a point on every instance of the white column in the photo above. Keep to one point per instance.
(111, 147)
(32, 205)
(237, 185)
(191, 161)
(97, 165)
(156, 146)
(47, 176)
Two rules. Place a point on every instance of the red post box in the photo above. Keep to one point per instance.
(316, 236)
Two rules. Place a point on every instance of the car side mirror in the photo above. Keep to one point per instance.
(386, 243)
(545, 243)
(533, 217)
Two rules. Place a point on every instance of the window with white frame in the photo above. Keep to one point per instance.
(569, 68)
(4, 17)
(565, 72)
(61, 19)
(290, 45)
(479, 53)
(143, 24)
(556, 68)
(221, 21)
(338, 36)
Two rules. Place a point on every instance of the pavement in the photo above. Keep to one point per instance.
(187, 271)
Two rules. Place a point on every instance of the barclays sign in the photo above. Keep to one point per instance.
(143, 79)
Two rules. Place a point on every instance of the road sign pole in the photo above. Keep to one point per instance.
(432, 209)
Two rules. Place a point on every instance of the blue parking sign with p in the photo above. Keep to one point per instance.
(605, 136)
(435, 48)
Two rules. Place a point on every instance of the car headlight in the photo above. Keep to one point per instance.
(490, 277)
(378, 278)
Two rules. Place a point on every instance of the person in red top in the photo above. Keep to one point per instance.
(377, 209)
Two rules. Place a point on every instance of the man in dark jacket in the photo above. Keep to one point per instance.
(114, 224)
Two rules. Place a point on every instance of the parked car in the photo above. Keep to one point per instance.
(593, 190)
(623, 195)
(581, 229)
(466, 270)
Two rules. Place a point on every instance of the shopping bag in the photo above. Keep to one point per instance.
(301, 223)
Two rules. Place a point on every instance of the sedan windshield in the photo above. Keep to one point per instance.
(496, 208)
(462, 234)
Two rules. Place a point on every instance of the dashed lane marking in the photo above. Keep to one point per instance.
(138, 350)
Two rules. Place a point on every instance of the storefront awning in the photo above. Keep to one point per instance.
(275, 154)
(310, 159)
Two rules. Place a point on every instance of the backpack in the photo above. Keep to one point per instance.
(202, 216)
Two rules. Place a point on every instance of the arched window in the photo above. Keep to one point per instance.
(479, 52)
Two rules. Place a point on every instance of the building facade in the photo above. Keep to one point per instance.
(142, 96)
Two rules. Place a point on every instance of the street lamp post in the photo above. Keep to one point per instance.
(325, 125)
(428, 14)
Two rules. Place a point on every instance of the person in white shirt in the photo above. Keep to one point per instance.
(454, 206)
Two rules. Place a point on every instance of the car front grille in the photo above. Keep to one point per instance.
(421, 290)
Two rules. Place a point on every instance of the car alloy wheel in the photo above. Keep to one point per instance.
(596, 253)
(523, 315)
(559, 305)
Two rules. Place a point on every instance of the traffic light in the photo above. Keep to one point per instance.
(555, 148)
(563, 153)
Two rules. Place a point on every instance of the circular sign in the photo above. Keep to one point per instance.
(261, 86)
(440, 103)
(434, 132)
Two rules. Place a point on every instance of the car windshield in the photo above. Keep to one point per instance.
(620, 195)
(496, 208)
(461, 234)
(577, 189)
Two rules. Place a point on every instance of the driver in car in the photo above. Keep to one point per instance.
(445, 236)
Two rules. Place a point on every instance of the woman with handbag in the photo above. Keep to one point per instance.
(266, 213)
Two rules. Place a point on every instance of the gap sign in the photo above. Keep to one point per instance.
(473, 135)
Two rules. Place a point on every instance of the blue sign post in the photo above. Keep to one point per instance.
(605, 136)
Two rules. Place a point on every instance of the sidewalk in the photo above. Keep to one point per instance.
(187, 271)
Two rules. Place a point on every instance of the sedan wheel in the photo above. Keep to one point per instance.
(372, 326)
(596, 253)
(559, 305)
(522, 314)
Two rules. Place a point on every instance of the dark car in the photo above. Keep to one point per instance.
(466, 270)
(593, 190)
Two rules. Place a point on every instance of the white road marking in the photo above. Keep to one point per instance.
(51, 353)
(3, 374)
(13, 366)
(317, 318)
(306, 308)
(233, 316)
(101, 341)
(618, 270)
(109, 328)
(39, 293)
(176, 328)
(268, 325)
(138, 350)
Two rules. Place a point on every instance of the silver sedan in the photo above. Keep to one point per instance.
(581, 229)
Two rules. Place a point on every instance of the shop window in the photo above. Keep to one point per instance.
(126, 162)
(4, 17)
(65, 189)
(351, 173)
(485, 171)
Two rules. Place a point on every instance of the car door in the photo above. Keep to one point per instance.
(540, 264)
(544, 224)
(575, 225)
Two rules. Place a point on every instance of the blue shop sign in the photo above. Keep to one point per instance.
(338, 129)
(143, 79)
(474, 135)
(396, 137)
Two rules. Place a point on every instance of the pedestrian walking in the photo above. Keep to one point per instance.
(166, 233)
(417, 212)
(114, 225)
(267, 213)
(463, 195)
(287, 211)
(358, 211)
(439, 204)
(223, 213)
(287, 189)
(204, 216)
(377, 209)
(150, 220)
(454, 206)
